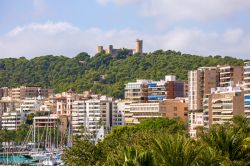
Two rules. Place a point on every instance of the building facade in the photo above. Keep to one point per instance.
(154, 91)
(231, 75)
(176, 108)
(222, 104)
(200, 82)
(23, 92)
(136, 91)
(96, 115)
(141, 111)
(11, 120)
(247, 89)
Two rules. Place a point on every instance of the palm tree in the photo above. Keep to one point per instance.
(177, 150)
(241, 123)
(133, 157)
(212, 157)
(229, 142)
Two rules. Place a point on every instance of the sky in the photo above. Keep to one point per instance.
(30, 28)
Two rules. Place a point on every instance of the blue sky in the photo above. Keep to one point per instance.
(62, 27)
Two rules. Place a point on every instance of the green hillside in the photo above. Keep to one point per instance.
(102, 73)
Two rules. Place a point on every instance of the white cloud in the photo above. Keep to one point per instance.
(63, 38)
(169, 11)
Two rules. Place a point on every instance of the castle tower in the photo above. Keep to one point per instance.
(99, 49)
(138, 46)
(110, 49)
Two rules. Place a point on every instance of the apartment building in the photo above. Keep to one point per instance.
(117, 115)
(64, 102)
(200, 82)
(176, 108)
(11, 120)
(141, 111)
(23, 92)
(154, 91)
(96, 115)
(7, 105)
(231, 74)
(29, 105)
(50, 121)
(195, 120)
(247, 89)
(136, 91)
(222, 104)
(123, 106)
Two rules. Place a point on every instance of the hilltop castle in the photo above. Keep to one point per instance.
(112, 51)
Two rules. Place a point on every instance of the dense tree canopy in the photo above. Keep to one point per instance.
(165, 144)
(102, 73)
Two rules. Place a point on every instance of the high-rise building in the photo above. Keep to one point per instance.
(96, 115)
(222, 104)
(117, 115)
(247, 89)
(231, 75)
(200, 82)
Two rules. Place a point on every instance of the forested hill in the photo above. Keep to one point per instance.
(101, 73)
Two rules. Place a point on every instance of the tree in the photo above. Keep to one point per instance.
(229, 142)
(177, 150)
(83, 153)
(134, 158)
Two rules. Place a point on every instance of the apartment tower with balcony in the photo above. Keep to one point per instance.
(200, 82)
(231, 74)
(247, 89)
(222, 104)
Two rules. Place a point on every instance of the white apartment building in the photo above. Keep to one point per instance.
(195, 121)
(29, 105)
(123, 106)
(247, 89)
(90, 116)
(117, 115)
(11, 120)
(141, 111)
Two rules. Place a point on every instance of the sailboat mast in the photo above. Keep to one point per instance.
(34, 133)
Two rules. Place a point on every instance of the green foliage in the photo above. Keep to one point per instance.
(139, 136)
(171, 125)
(83, 153)
(229, 142)
(84, 72)
(153, 142)
(177, 150)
